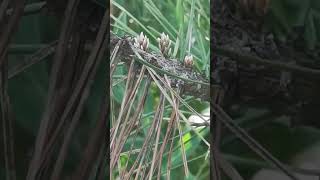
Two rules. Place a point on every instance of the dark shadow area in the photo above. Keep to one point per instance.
(265, 58)
(54, 89)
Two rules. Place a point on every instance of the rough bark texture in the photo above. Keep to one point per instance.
(198, 86)
(253, 67)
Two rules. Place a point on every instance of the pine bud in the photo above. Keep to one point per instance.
(141, 42)
(164, 45)
(188, 61)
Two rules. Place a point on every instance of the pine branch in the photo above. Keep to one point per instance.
(248, 59)
(191, 82)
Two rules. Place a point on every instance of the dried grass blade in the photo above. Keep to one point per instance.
(255, 146)
(122, 107)
(135, 119)
(144, 146)
(126, 109)
(170, 155)
(155, 151)
(176, 109)
(153, 74)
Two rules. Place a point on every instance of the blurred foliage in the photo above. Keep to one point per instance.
(296, 19)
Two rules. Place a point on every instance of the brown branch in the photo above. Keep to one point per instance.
(292, 84)
(52, 96)
(81, 91)
(191, 82)
(276, 65)
(77, 115)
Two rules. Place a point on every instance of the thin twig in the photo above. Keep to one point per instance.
(260, 164)
(255, 146)
(38, 56)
